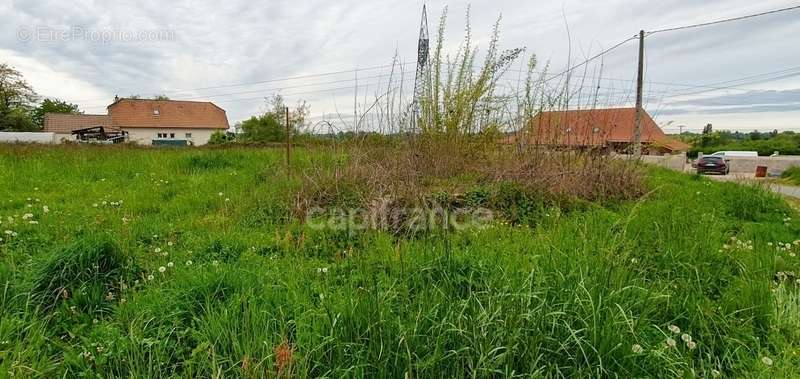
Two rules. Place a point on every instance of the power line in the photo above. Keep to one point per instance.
(724, 20)
(244, 84)
(600, 54)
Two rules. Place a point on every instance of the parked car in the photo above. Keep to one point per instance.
(713, 164)
(736, 154)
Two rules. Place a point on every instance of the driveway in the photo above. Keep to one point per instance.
(782, 189)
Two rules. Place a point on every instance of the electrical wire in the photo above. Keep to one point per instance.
(796, 7)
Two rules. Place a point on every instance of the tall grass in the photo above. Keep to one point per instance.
(254, 293)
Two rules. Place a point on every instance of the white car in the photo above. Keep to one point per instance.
(736, 154)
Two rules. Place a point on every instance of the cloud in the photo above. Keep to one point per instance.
(242, 41)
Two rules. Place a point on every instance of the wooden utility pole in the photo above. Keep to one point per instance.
(637, 133)
(288, 146)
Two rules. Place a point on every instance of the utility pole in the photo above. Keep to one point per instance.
(288, 146)
(637, 133)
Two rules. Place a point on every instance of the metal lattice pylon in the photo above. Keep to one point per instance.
(423, 52)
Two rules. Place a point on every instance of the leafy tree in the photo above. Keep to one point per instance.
(52, 106)
(220, 137)
(161, 97)
(271, 125)
(707, 138)
(16, 100)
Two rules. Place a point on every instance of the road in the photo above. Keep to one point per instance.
(785, 190)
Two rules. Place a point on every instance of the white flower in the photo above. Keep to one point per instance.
(675, 329)
(95, 205)
(637, 349)
(170, 264)
(215, 263)
(157, 250)
(169, 243)
(46, 209)
(671, 343)
(227, 200)
(105, 202)
(33, 222)
(767, 361)
(162, 269)
(189, 263)
(27, 216)
(221, 194)
(150, 277)
(686, 338)
(8, 232)
(691, 345)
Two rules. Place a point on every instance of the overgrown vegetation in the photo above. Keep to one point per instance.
(766, 144)
(792, 175)
(197, 270)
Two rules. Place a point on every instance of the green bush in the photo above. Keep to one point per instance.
(792, 175)
(82, 274)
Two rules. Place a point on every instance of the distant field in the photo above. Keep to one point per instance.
(124, 262)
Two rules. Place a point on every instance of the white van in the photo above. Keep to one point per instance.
(736, 154)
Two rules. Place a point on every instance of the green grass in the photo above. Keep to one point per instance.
(569, 297)
(792, 175)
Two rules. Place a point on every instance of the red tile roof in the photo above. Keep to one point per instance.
(136, 113)
(596, 127)
(60, 123)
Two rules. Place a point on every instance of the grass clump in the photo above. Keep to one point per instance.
(85, 273)
(792, 175)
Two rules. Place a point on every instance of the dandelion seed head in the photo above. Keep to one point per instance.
(675, 329)
(671, 343)
(637, 349)
(162, 269)
(767, 361)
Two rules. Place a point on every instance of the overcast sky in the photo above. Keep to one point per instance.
(743, 75)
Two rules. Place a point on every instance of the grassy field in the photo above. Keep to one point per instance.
(122, 262)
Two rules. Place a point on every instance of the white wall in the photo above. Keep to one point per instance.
(776, 164)
(145, 136)
(36, 137)
(675, 162)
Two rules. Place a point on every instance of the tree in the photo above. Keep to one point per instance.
(271, 125)
(160, 97)
(220, 137)
(707, 139)
(52, 106)
(16, 100)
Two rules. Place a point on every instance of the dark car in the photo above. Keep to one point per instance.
(713, 165)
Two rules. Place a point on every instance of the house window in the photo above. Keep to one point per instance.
(172, 135)
(188, 135)
(156, 112)
(160, 135)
